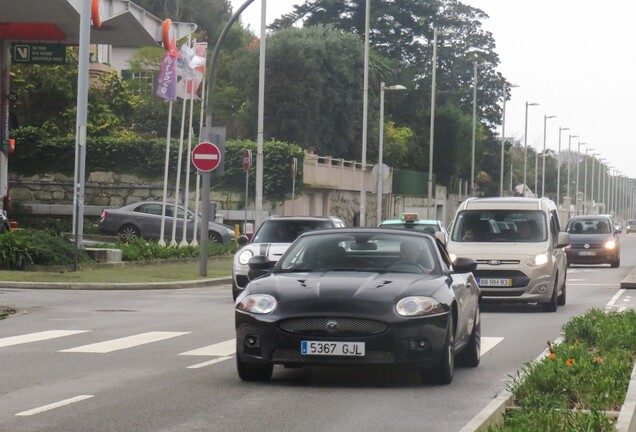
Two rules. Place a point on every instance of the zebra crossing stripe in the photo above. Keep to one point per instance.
(54, 405)
(488, 343)
(36, 337)
(123, 343)
(221, 349)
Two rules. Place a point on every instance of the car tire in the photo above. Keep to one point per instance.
(471, 355)
(561, 299)
(128, 232)
(442, 373)
(250, 372)
(552, 305)
(616, 264)
(215, 237)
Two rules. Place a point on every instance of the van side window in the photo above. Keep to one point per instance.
(554, 227)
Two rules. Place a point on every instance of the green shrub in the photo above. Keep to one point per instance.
(21, 247)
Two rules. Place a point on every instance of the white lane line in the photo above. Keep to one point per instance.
(616, 297)
(126, 342)
(488, 343)
(622, 309)
(220, 349)
(211, 362)
(589, 284)
(36, 337)
(54, 405)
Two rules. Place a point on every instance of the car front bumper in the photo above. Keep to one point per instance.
(592, 256)
(416, 341)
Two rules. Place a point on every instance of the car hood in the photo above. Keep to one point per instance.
(273, 251)
(343, 290)
(590, 238)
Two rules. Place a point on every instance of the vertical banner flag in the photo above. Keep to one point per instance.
(167, 81)
(191, 69)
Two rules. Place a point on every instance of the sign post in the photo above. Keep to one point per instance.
(205, 157)
(294, 170)
(247, 162)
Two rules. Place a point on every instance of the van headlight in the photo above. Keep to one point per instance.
(245, 256)
(539, 260)
(610, 244)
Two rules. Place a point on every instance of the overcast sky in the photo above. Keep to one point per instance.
(576, 58)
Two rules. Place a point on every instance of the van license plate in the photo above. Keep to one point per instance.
(332, 348)
(494, 282)
(587, 253)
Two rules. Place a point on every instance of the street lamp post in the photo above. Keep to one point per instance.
(472, 159)
(365, 111)
(592, 185)
(578, 163)
(545, 120)
(431, 139)
(503, 135)
(569, 169)
(380, 170)
(558, 194)
(585, 182)
(600, 173)
(525, 147)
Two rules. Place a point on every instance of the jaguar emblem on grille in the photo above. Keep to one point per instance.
(494, 262)
(332, 326)
(586, 246)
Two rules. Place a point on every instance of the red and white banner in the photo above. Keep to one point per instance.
(191, 69)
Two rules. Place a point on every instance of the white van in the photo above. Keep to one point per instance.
(518, 245)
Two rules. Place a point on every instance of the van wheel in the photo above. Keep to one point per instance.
(551, 306)
(562, 297)
(616, 263)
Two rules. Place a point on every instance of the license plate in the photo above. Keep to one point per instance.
(494, 282)
(587, 253)
(332, 348)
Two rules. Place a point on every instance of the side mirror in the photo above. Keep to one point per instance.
(563, 239)
(259, 265)
(242, 240)
(464, 265)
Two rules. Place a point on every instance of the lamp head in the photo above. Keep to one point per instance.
(563, 128)
(549, 116)
(531, 104)
(396, 87)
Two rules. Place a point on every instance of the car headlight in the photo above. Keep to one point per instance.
(453, 257)
(257, 303)
(610, 244)
(418, 306)
(245, 256)
(538, 260)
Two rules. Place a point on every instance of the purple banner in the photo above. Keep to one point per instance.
(167, 81)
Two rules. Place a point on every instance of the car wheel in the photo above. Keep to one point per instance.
(128, 232)
(443, 372)
(249, 372)
(616, 263)
(215, 237)
(471, 355)
(551, 306)
(562, 297)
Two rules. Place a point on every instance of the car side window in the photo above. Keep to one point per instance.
(153, 209)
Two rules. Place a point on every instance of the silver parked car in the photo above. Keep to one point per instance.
(143, 219)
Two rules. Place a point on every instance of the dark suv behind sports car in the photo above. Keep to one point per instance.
(593, 240)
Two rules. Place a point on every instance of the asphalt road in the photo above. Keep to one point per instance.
(163, 361)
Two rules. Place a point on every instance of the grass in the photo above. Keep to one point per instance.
(137, 273)
(581, 381)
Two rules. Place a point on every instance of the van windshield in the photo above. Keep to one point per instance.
(527, 226)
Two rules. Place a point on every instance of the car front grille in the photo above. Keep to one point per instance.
(242, 280)
(582, 246)
(325, 326)
(370, 357)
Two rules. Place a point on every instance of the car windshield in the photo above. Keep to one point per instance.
(364, 251)
(589, 226)
(286, 231)
(527, 226)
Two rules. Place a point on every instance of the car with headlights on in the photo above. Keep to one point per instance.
(593, 240)
(630, 227)
(143, 219)
(359, 297)
(272, 239)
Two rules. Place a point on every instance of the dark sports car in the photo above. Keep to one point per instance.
(360, 296)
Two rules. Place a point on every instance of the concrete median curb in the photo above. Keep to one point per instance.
(199, 283)
(629, 281)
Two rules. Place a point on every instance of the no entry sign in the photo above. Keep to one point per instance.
(247, 159)
(206, 157)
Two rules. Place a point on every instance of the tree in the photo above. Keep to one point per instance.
(313, 89)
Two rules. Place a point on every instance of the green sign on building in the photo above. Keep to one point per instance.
(38, 53)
